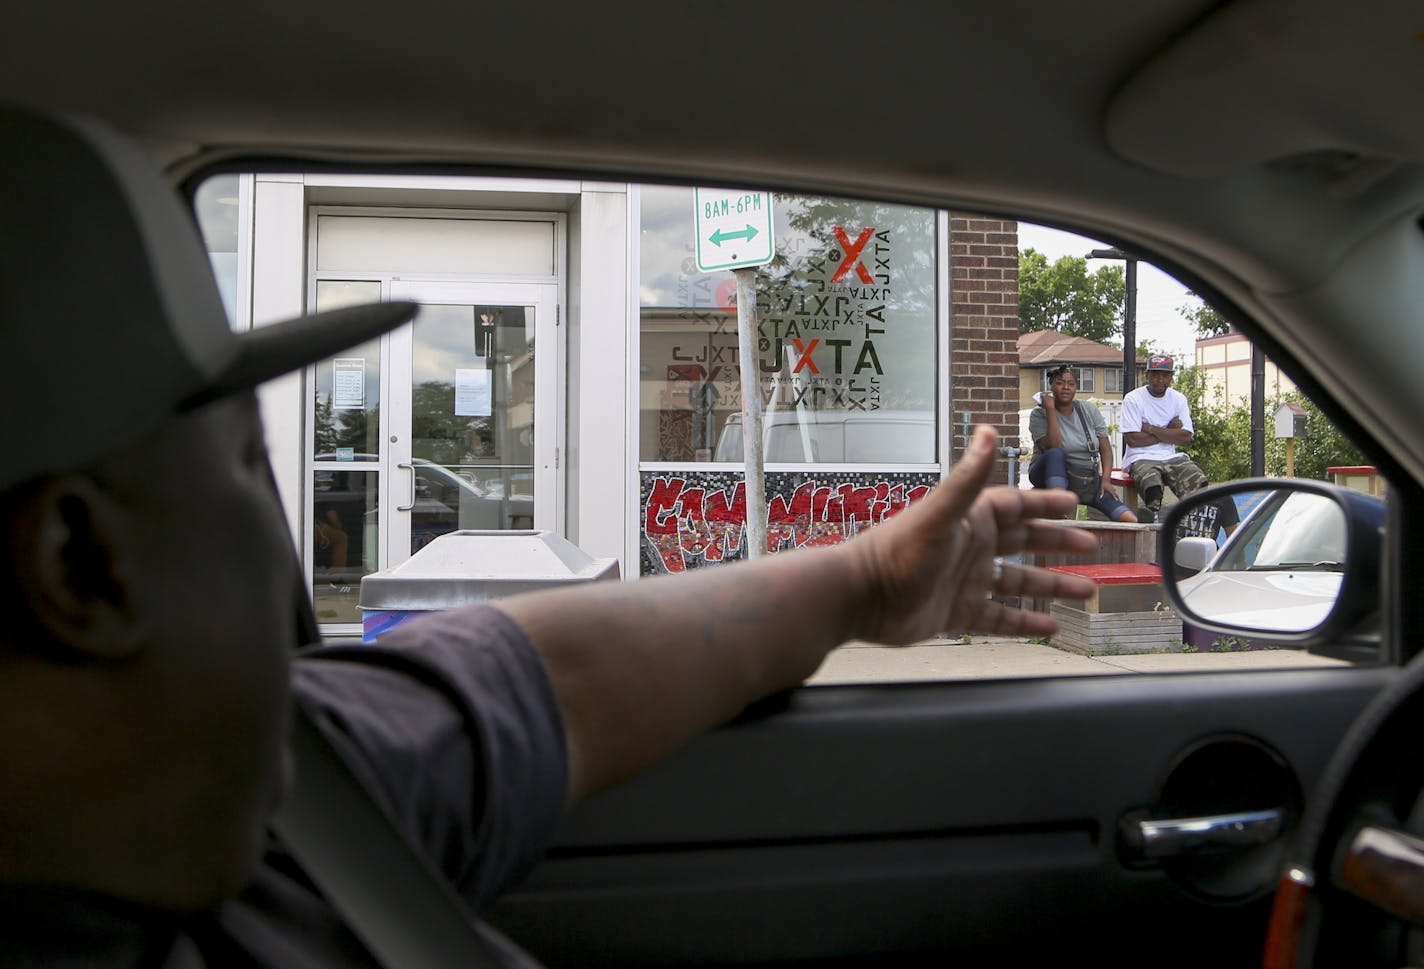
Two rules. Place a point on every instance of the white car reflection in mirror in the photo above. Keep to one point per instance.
(1279, 571)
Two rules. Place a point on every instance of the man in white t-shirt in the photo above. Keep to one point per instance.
(1155, 421)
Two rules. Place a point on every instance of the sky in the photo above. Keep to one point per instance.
(1158, 295)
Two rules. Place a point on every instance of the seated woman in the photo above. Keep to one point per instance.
(1071, 447)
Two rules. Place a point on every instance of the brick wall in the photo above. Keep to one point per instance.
(984, 333)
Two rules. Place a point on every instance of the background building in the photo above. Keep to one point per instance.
(1097, 366)
(1225, 363)
(571, 369)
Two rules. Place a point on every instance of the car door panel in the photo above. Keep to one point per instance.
(894, 822)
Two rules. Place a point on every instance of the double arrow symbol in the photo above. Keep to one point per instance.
(718, 237)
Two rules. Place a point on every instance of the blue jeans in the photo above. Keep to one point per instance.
(1050, 470)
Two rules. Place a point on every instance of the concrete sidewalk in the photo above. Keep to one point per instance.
(1000, 658)
(1009, 658)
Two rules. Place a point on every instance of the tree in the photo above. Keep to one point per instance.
(805, 262)
(912, 229)
(1322, 448)
(1221, 439)
(353, 427)
(437, 433)
(1206, 320)
(1064, 296)
(326, 431)
(1145, 350)
(1221, 435)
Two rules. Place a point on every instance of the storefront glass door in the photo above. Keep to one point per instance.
(476, 450)
(467, 440)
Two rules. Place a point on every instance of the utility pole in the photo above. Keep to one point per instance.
(1129, 314)
(1258, 413)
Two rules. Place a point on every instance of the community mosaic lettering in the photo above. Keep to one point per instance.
(695, 520)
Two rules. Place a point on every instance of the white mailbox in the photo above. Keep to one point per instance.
(1290, 420)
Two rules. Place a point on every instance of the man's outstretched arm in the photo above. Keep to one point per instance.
(641, 668)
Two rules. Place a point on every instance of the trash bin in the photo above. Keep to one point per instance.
(463, 567)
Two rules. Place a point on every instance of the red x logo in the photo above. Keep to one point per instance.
(852, 255)
(805, 360)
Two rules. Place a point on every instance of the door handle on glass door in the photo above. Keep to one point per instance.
(411, 469)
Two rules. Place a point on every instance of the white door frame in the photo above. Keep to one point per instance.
(544, 293)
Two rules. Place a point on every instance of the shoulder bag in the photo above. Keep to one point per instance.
(1086, 486)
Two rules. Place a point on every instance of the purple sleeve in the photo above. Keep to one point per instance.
(454, 723)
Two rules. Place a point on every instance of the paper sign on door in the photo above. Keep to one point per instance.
(348, 391)
(472, 393)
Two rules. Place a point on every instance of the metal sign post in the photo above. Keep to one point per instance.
(734, 231)
(752, 451)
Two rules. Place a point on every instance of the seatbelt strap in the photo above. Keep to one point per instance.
(388, 893)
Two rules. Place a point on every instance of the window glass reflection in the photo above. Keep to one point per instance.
(344, 541)
(846, 324)
(472, 419)
(216, 206)
(347, 388)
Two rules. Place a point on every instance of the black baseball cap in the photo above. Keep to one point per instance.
(110, 317)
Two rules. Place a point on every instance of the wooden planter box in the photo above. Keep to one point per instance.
(1109, 633)
(1117, 543)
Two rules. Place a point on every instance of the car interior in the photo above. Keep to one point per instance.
(1266, 153)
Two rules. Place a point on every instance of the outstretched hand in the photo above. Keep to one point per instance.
(933, 565)
(641, 667)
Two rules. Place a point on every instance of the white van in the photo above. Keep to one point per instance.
(837, 437)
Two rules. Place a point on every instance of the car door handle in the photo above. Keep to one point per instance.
(1173, 837)
(411, 469)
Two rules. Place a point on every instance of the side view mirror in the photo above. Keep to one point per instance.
(1292, 561)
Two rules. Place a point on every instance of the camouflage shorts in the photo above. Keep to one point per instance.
(1181, 475)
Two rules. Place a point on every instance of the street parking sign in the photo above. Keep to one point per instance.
(733, 229)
